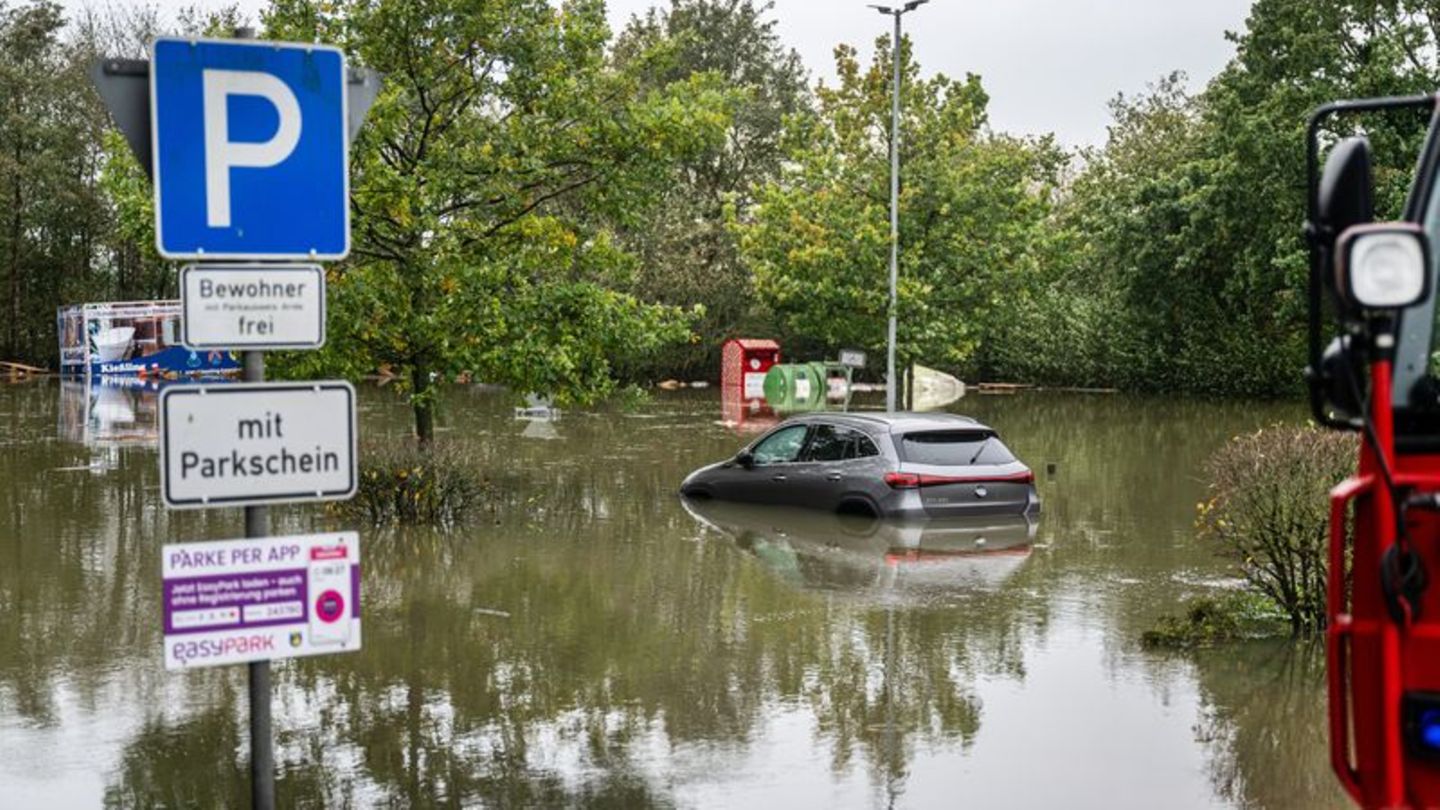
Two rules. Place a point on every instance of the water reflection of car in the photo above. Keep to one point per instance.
(853, 552)
(891, 465)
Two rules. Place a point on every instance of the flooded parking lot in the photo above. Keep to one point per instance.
(595, 641)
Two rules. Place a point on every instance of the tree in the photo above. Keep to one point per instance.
(52, 218)
(1183, 268)
(972, 209)
(686, 253)
(496, 123)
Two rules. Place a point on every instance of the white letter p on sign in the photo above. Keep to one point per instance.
(223, 154)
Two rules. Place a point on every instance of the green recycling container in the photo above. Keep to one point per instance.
(795, 385)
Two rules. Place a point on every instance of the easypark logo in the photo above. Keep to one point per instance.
(188, 651)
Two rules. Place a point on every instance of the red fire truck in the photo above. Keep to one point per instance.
(1374, 368)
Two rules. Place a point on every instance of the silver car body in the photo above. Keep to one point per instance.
(890, 465)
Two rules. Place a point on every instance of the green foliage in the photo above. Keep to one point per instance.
(405, 485)
(1183, 267)
(53, 223)
(686, 253)
(631, 398)
(497, 125)
(548, 209)
(132, 201)
(973, 209)
(1209, 621)
(1267, 510)
(78, 219)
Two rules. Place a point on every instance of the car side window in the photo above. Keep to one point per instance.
(864, 448)
(829, 443)
(781, 446)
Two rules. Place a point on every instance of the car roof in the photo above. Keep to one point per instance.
(899, 422)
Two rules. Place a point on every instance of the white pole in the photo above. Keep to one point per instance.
(894, 220)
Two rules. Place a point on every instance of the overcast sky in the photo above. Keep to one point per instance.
(1049, 65)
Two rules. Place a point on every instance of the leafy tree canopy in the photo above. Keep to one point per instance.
(972, 207)
(686, 253)
(497, 121)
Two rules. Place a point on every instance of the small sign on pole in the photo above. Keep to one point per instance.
(258, 599)
(230, 306)
(256, 443)
(854, 358)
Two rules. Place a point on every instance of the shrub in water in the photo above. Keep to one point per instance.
(1210, 620)
(1267, 507)
(403, 484)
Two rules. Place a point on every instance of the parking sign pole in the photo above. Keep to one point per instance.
(257, 524)
(165, 116)
(262, 738)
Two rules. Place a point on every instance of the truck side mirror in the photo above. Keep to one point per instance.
(1346, 196)
(1344, 383)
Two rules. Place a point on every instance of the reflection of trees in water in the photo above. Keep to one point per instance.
(1128, 465)
(1265, 727)
(193, 763)
(1118, 516)
(625, 627)
(896, 680)
(176, 765)
(68, 597)
(630, 633)
(600, 657)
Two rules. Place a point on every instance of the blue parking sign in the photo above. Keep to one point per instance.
(250, 149)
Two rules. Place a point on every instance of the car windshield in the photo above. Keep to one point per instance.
(1417, 356)
(955, 448)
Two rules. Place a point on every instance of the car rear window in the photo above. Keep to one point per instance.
(954, 448)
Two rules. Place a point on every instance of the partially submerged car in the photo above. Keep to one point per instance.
(882, 464)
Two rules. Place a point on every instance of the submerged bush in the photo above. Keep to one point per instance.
(1215, 620)
(403, 484)
(1268, 509)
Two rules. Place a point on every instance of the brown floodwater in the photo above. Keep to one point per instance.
(593, 642)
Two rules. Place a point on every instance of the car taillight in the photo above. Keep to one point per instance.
(900, 480)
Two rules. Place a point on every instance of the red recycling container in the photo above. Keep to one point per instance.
(743, 363)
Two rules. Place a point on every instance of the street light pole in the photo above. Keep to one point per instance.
(890, 377)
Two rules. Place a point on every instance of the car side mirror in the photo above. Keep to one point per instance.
(745, 459)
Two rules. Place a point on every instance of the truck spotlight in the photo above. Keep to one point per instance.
(1383, 265)
(1420, 712)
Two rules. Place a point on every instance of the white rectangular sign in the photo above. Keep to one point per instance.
(237, 306)
(258, 599)
(754, 385)
(231, 444)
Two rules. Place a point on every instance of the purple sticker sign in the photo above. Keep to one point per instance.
(236, 601)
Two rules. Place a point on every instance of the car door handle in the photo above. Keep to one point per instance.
(835, 476)
(778, 477)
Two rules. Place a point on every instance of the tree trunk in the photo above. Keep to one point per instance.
(14, 336)
(420, 403)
